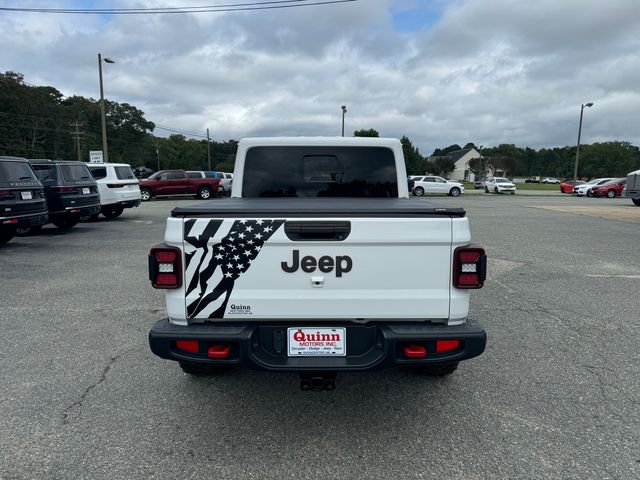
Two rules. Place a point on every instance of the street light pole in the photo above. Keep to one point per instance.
(105, 152)
(575, 168)
(208, 150)
(344, 110)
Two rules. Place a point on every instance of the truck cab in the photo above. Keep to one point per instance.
(319, 262)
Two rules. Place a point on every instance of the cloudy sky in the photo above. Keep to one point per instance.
(441, 72)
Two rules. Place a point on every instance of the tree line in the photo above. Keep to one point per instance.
(606, 159)
(39, 122)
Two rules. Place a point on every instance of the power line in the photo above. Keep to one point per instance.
(182, 132)
(238, 7)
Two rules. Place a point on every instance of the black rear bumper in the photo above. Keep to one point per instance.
(369, 346)
(35, 219)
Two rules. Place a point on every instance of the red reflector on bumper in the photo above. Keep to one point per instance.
(415, 351)
(219, 350)
(446, 345)
(187, 345)
(13, 220)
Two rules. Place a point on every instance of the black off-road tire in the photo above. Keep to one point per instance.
(65, 222)
(438, 370)
(7, 235)
(199, 369)
(112, 212)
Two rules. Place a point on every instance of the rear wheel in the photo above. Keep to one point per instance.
(65, 222)
(112, 212)
(611, 193)
(145, 194)
(454, 192)
(438, 370)
(418, 191)
(636, 201)
(589, 194)
(6, 235)
(496, 190)
(204, 193)
(199, 369)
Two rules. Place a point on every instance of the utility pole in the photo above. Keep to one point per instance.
(344, 110)
(76, 137)
(158, 156)
(208, 150)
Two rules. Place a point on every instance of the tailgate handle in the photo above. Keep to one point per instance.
(300, 231)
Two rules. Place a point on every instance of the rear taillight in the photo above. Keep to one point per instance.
(63, 189)
(469, 267)
(165, 267)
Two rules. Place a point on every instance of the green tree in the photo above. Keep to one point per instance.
(446, 151)
(413, 160)
(372, 132)
(444, 165)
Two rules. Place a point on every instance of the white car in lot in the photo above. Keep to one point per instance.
(118, 188)
(585, 188)
(551, 180)
(436, 185)
(499, 185)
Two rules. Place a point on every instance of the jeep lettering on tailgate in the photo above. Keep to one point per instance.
(325, 264)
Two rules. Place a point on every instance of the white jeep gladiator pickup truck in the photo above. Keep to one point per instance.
(318, 263)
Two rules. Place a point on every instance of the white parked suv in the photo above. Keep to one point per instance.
(499, 185)
(118, 188)
(432, 184)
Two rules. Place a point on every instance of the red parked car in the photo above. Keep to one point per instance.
(177, 182)
(610, 189)
(567, 185)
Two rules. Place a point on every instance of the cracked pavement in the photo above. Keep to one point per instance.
(555, 395)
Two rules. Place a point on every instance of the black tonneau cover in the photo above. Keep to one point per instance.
(316, 207)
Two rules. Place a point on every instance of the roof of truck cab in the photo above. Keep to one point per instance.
(319, 142)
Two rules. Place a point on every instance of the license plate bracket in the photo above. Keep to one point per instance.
(26, 195)
(316, 341)
(86, 191)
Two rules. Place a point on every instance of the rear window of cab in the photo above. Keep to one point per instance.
(291, 171)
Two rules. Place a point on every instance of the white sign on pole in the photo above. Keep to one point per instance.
(95, 156)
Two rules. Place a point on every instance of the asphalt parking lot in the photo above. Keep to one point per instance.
(555, 395)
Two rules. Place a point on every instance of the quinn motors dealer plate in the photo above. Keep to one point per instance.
(316, 342)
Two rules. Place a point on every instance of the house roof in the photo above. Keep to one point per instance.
(458, 154)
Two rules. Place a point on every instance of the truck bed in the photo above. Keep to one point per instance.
(317, 207)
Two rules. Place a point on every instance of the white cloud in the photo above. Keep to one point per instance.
(487, 71)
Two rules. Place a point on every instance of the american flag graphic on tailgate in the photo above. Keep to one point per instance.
(212, 268)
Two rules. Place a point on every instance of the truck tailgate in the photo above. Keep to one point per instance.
(380, 267)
